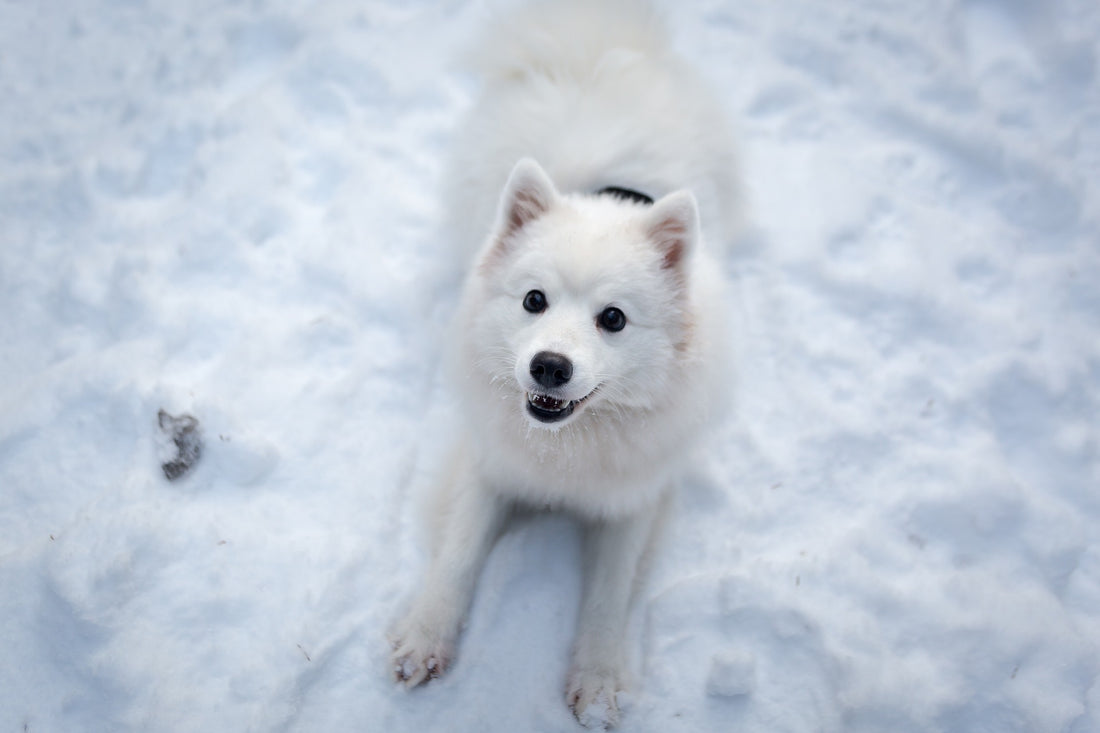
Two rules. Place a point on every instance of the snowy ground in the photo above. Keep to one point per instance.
(228, 209)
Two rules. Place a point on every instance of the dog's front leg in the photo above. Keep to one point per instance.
(612, 553)
(469, 520)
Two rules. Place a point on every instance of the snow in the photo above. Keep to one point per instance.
(228, 210)
(732, 674)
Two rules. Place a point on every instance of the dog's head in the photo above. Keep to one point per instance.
(584, 300)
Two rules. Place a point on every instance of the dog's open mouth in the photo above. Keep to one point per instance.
(545, 408)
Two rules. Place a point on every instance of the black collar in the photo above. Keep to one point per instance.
(626, 194)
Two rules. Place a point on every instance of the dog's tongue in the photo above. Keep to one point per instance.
(546, 402)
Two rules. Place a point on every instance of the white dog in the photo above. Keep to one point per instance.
(590, 349)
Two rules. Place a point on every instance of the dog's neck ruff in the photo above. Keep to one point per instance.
(626, 194)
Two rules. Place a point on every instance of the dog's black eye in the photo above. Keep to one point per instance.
(611, 319)
(534, 302)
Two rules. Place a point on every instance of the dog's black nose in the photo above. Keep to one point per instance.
(550, 369)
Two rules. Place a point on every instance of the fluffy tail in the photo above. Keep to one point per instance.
(566, 38)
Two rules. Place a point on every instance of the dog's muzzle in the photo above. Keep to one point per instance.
(551, 371)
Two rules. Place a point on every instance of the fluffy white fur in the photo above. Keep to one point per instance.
(591, 91)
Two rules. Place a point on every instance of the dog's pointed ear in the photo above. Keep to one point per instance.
(673, 226)
(528, 195)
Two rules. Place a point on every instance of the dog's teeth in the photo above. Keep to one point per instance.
(546, 402)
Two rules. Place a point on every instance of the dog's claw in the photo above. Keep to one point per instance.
(592, 699)
(408, 672)
(413, 664)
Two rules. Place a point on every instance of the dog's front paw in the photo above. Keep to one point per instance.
(418, 655)
(591, 695)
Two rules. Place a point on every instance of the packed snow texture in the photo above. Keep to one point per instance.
(230, 210)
